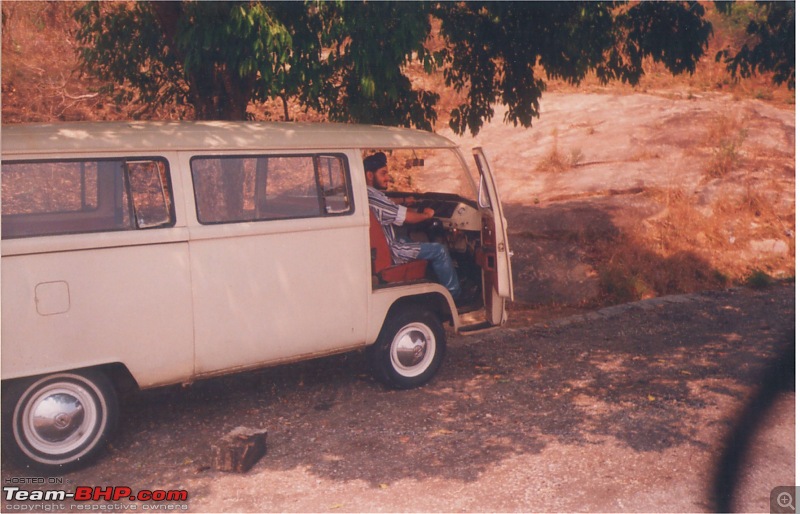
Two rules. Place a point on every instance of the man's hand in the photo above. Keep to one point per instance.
(417, 217)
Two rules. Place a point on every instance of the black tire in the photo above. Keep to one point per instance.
(58, 422)
(409, 350)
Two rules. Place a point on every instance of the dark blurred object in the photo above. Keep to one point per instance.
(779, 377)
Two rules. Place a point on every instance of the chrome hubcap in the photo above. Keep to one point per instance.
(413, 349)
(59, 418)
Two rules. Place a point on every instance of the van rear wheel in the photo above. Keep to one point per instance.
(409, 350)
(58, 422)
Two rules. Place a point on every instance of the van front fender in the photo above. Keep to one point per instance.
(431, 296)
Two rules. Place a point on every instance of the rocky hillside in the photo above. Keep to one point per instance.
(616, 197)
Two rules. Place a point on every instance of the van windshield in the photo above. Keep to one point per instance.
(427, 171)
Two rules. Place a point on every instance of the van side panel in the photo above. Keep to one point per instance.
(128, 304)
(276, 291)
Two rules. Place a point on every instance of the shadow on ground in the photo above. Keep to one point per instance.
(645, 375)
(580, 252)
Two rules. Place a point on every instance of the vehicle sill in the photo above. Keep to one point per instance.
(477, 328)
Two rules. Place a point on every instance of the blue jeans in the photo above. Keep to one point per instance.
(439, 258)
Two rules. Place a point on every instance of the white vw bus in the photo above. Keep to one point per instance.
(161, 253)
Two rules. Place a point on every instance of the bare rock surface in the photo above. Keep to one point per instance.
(596, 166)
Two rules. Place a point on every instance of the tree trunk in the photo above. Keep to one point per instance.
(216, 94)
(219, 95)
(285, 108)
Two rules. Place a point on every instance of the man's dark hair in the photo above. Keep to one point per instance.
(374, 162)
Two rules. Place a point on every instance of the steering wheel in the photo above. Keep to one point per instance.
(433, 228)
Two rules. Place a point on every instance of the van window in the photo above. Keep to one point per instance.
(64, 197)
(258, 188)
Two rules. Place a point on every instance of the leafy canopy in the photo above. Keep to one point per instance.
(772, 36)
(494, 46)
(350, 60)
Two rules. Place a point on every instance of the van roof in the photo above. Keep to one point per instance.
(154, 136)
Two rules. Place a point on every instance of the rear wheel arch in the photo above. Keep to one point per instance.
(120, 377)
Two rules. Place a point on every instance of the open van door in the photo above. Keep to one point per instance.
(498, 285)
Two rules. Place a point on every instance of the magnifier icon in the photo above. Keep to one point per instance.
(785, 500)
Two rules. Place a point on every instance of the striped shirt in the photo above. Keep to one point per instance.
(390, 214)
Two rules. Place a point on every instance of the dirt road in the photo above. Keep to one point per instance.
(618, 410)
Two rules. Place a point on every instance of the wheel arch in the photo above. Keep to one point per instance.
(119, 375)
(434, 301)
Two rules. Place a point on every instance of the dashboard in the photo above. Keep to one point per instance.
(453, 211)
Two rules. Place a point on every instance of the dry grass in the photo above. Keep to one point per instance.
(558, 160)
(661, 256)
(726, 137)
(689, 247)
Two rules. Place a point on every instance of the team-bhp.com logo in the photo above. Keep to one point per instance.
(95, 494)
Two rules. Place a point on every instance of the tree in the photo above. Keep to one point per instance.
(344, 59)
(216, 56)
(349, 60)
(371, 44)
(495, 46)
(772, 34)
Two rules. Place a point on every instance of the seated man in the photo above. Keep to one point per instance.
(389, 214)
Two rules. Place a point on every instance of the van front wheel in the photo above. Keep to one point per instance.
(409, 350)
(58, 422)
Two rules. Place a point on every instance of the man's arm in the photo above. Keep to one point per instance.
(417, 217)
(389, 209)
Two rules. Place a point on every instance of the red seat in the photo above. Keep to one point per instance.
(382, 264)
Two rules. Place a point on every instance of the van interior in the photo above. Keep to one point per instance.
(434, 179)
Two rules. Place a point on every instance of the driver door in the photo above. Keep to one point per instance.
(498, 286)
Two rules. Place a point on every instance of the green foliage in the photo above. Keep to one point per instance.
(371, 45)
(349, 60)
(216, 56)
(108, 31)
(494, 47)
(772, 35)
(344, 59)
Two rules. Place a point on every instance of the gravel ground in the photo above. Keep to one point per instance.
(617, 410)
